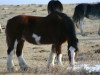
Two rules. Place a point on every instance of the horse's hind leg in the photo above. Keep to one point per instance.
(56, 51)
(22, 62)
(11, 45)
(81, 27)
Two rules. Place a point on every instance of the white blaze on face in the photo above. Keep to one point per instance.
(10, 63)
(72, 51)
(37, 38)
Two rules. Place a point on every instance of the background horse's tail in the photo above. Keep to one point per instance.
(79, 13)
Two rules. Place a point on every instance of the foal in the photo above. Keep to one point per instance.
(55, 29)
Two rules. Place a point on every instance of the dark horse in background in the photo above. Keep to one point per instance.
(56, 28)
(90, 11)
(54, 5)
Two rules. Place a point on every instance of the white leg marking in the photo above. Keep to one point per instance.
(10, 63)
(37, 38)
(1, 28)
(51, 59)
(59, 58)
(81, 26)
(22, 62)
(72, 50)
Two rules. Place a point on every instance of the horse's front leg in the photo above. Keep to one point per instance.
(71, 53)
(81, 27)
(52, 57)
(22, 63)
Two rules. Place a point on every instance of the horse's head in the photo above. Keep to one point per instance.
(55, 5)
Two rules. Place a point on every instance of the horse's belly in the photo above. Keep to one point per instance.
(36, 39)
(93, 17)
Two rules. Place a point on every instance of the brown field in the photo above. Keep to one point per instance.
(37, 56)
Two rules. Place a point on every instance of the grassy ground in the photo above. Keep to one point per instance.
(37, 56)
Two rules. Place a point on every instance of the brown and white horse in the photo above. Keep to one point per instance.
(55, 29)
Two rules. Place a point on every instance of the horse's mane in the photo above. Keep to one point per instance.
(68, 22)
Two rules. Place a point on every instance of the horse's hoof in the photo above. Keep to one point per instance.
(11, 69)
(24, 68)
(84, 34)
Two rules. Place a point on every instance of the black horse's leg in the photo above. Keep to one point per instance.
(72, 52)
(52, 56)
(81, 27)
(22, 62)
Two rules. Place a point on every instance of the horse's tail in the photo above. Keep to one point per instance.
(78, 13)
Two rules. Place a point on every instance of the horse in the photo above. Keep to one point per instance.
(90, 11)
(55, 29)
(54, 5)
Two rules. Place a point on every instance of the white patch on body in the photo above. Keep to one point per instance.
(51, 59)
(22, 62)
(72, 50)
(37, 38)
(10, 63)
(59, 59)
